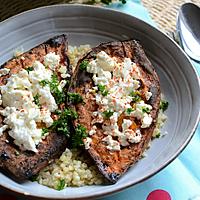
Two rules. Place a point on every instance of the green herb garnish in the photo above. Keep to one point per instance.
(145, 110)
(36, 99)
(61, 185)
(123, 1)
(33, 178)
(74, 98)
(158, 135)
(164, 105)
(16, 153)
(59, 96)
(43, 83)
(78, 136)
(102, 89)
(129, 110)
(135, 96)
(108, 114)
(62, 124)
(44, 131)
(29, 69)
(107, 2)
(83, 65)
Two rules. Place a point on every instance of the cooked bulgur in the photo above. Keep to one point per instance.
(71, 169)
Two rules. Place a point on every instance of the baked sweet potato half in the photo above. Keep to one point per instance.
(24, 162)
(121, 96)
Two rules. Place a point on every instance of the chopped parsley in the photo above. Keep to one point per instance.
(43, 83)
(158, 135)
(123, 1)
(145, 110)
(36, 99)
(107, 2)
(33, 178)
(61, 125)
(74, 98)
(164, 105)
(61, 185)
(44, 131)
(17, 153)
(78, 136)
(83, 65)
(135, 96)
(59, 96)
(29, 69)
(108, 114)
(102, 89)
(129, 110)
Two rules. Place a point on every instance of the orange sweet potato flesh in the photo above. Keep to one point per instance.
(113, 164)
(24, 164)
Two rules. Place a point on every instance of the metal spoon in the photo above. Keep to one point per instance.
(188, 30)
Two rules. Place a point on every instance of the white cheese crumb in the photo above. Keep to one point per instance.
(62, 83)
(87, 142)
(105, 62)
(65, 75)
(4, 71)
(52, 60)
(93, 130)
(134, 137)
(148, 95)
(112, 145)
(2, 129)
(62, 69)
(126, 124)
(146, 121)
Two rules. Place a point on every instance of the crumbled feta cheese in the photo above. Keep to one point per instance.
(136, 84)
(87, 142)
(2, 129)
(112, 145)
(105, 62)
(126, 124)
(120, 82)
(21, 112)
(92, 67)
(62, 69)
(133, 137)
(65, 75)
(63, 83)
(93, 130)
(146, 121)
(39, 73)
(24, 128)
(52, 60)
(4, 71)
(148, 95)
(139, 110)
(123, 140)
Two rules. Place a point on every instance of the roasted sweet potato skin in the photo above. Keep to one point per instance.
(24, 164)
(113, 164)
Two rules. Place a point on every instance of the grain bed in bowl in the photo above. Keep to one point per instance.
(71, 169)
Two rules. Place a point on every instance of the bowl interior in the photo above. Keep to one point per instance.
(89, 25)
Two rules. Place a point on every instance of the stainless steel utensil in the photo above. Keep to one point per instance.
(188, 29)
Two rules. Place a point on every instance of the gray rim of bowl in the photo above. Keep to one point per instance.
(104, 9)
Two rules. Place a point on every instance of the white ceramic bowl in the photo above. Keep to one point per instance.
(92, 25)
